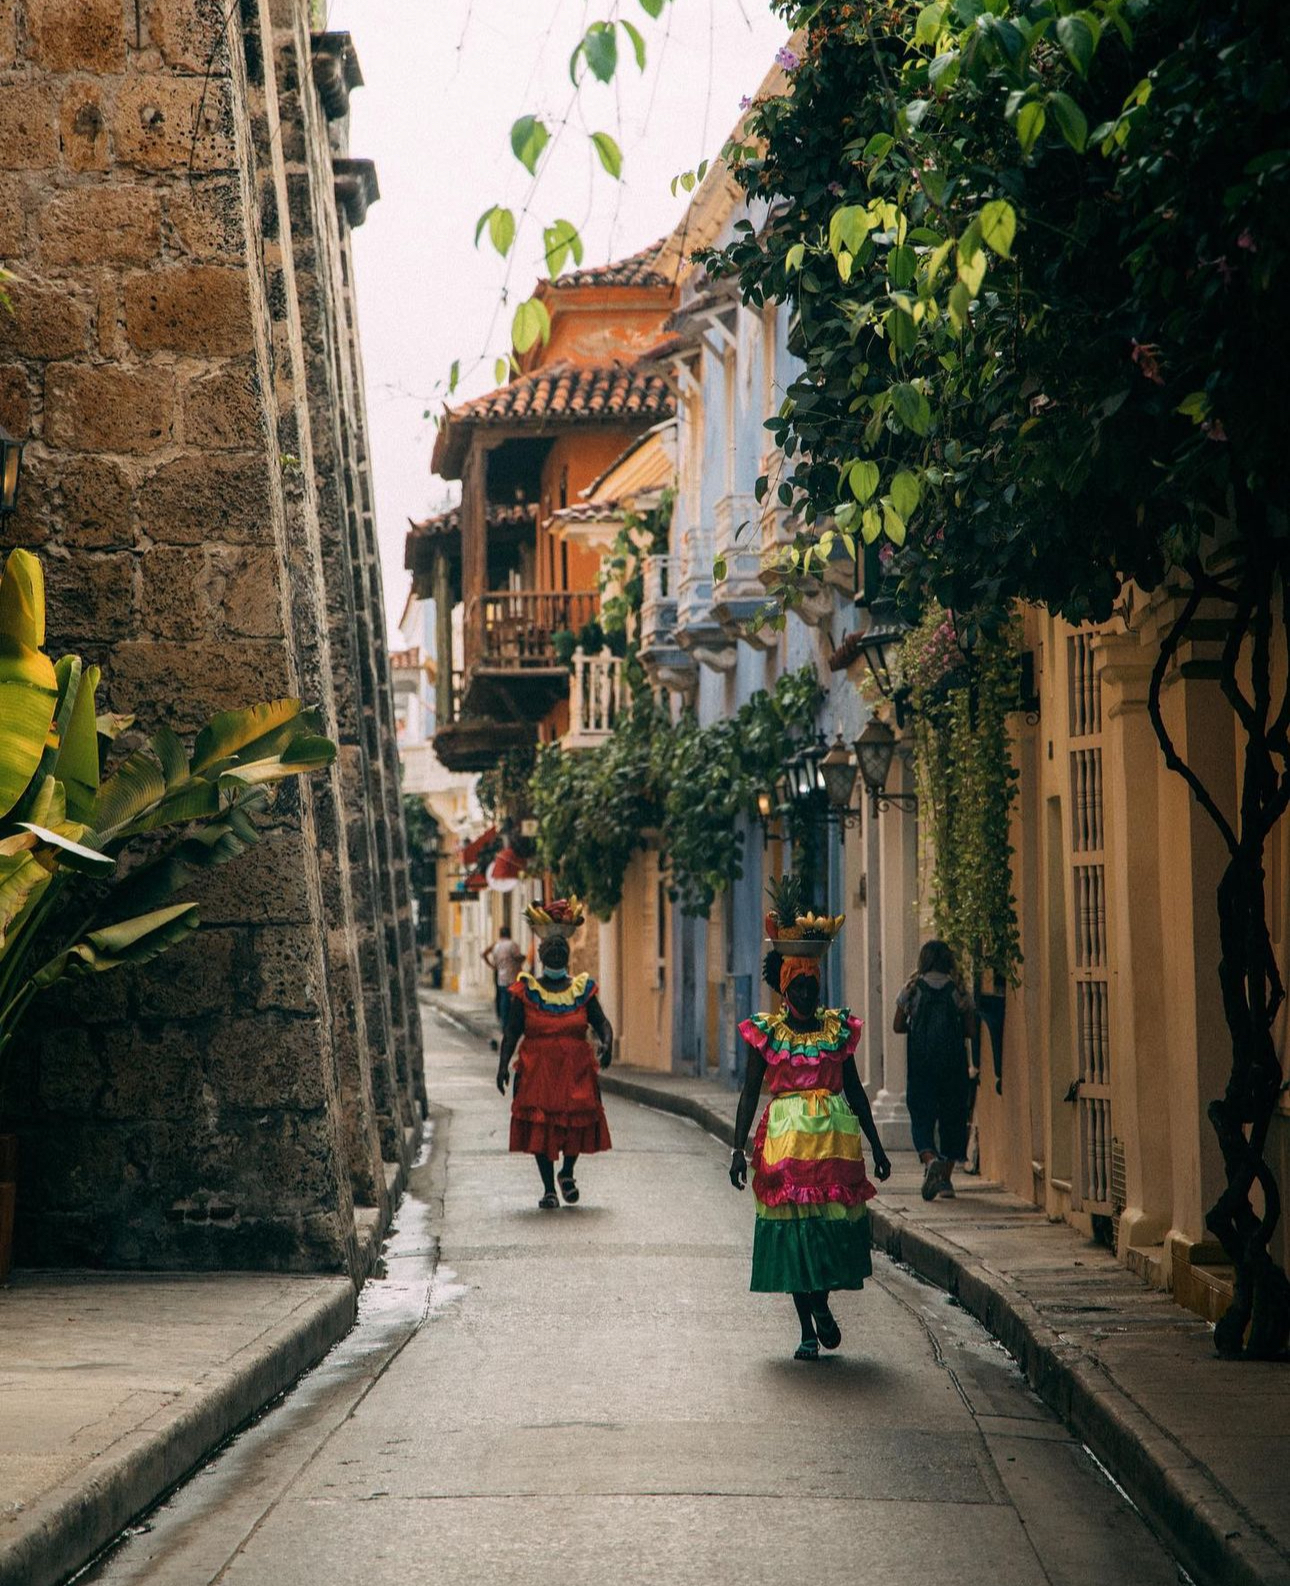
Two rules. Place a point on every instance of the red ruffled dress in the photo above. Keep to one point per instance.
(555, 1106)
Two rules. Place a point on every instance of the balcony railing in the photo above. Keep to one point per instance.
(658, 602)
(512, 628)
(595, 699)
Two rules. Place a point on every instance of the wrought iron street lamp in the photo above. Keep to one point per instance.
(874, 750)
(10, 471)
(878, 645)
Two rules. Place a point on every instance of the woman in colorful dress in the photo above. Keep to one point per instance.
(809, 1180)
(555, 1101)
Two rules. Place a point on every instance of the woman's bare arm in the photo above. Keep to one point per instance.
(858, 1101)
(510, 1040)
(754, 1074)
(602, 1030)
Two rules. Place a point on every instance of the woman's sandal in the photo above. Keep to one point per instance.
(808, 1349)
(550, 1202)
(826, 1328)
(567, 1187)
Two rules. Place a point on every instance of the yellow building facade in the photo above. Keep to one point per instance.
(1114, 1041)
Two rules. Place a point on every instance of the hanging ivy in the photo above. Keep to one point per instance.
(688, 783)
(503, 789)
(966, 785)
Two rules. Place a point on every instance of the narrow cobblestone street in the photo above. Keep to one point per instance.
(576, 1394)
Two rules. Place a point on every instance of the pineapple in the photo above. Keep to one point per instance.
(785, 895)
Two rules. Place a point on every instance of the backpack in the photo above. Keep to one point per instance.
(935, 1026)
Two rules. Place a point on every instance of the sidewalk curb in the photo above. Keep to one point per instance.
(67, 1526)
(1215, 1541)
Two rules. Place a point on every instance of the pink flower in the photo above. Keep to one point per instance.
(1214, 430)
(837, 189)
(1147, 357)
(745, 103)
(785, 57)
(1246, 241)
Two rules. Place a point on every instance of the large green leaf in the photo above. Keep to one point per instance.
(76, 856)
(22, 601)
(138, 940)
(28, 682)
(77, 765)
(233, 730)
(22, 879)
(135, 786)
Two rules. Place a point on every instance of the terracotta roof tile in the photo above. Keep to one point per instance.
(564, 393)
(639, 270)
(449, 521)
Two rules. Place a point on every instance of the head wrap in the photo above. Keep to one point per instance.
(791, 968)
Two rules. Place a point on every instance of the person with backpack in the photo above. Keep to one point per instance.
(939, 1018)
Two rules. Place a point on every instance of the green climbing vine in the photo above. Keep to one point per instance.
(689, 783)
(966, 785)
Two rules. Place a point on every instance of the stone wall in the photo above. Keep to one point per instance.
(176, 197)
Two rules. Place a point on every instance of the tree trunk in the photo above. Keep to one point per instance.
(1249, 980)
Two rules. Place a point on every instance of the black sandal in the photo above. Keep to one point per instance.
(808, 1349)
(826, 1328)
(568, 1188)
(550, 1202)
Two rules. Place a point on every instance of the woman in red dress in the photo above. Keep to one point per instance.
(555, 1103)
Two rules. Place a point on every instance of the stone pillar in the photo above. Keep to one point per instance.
(897, 840)
(1139, 1046)
(314, 223)
(215, 1110)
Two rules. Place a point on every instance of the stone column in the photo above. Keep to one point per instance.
(897, 839)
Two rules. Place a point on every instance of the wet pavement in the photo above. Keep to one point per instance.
(583, 1393)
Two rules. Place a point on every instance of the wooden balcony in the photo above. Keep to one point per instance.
(512, 670)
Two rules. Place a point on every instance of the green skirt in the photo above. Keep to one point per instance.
(799, 1249)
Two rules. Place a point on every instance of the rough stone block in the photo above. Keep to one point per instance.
(70, 1069)
(156, 124)
(91, 225)
(45, 322)
(193, 980)
(192, 308)
(90, 597)
(286, 968)
(15, 399)
(153, 1071)
(206, 220)
(197, 499)
(223, 410)
(109, 409)
(267, 885)
(174, 598)
(190, 34)
(95, 510)
(28, 127)
(251, 604)
(77, 35)
(268, 1061)
(83, 127)
(183, 685)
(15, 200)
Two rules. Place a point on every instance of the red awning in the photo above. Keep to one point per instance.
(472, 850)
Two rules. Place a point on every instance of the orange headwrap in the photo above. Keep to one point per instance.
(791, 968)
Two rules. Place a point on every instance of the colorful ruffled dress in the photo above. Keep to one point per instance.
(555, 1104)
(808, 1171)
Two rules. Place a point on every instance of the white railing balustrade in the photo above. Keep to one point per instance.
(595, 698)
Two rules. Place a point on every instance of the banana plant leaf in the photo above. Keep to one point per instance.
(138, 940)
(77, 766)
(233, 731)
(76, 856)
(22, 879)
(29, 687)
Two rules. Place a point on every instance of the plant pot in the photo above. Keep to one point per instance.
(8, 1197)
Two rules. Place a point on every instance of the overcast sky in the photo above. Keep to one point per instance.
(444, 80)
